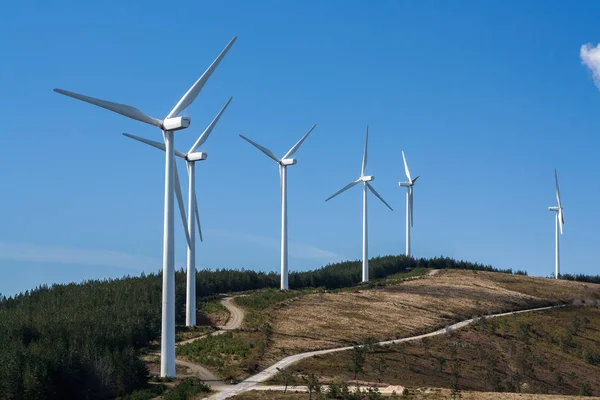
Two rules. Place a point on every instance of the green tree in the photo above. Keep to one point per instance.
(380, 368)
(357, 361)
(312, 384)
(441, 363)
(289, 379)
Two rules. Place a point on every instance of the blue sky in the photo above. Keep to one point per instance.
(485, 98)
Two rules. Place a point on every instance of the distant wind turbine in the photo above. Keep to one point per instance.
(365, 180)
(409, 203)
(190, 158)
(284, 162)
(168, 126)
(560, 220)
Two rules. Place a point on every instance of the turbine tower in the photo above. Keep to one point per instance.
(365, 179)
(409, 203)
(284, 162)
(168, 126)
(560, 220)
(193, 216)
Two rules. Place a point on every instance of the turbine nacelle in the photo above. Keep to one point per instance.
(176, 123)
(553, 208)
(405, 184)
(287, 161)
(367, 178)
(199, 156)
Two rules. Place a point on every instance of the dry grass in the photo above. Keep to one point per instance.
(327, 320)
(418, 394)
(445, 394)
(552, 351)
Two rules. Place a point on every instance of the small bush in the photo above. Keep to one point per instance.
(145, 394)
(187, 388)
(585, 389)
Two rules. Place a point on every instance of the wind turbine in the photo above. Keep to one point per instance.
(168, 126)
(365, 180)
(190, 158)
(284, 162)
(560, 220)
(409, 203)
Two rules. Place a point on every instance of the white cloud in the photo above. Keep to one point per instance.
(296, 250)
(590, 57)
(65, 255)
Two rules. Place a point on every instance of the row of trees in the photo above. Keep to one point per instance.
(580, 278)
(83, 340)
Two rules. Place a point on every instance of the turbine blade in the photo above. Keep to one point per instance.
(557, 190)
(364, 162)
(561, 220)
(197, 215)
(412, 218)
(180, 204)
(268, 152)
(158, 145)
(280, 182)
(209, 129)
(122, 109)
(414, 180)
(297, 145)
(189, 97)
(378, 196)
(406, 171)
(348, 186)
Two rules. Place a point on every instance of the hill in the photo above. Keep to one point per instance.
(405, 304)
(84, 340)
(326, 319)
(546, 352)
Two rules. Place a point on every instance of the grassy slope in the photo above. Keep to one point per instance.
(330, 319)
(279, 324)
(544, 352)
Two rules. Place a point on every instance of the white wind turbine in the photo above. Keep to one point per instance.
(560, 220)
(190, 158)
(365, 180)
(409, 203)
(168, 126)
(284, 162)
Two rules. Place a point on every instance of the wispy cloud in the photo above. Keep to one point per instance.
(66, 255)
(590, 57)
(296, 250)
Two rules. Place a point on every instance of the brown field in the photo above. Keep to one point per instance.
(327, 320)
(546, 352)
(417, 394)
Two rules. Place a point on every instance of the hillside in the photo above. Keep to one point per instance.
(546, 352)
(330, 319)
(281, 324)
(84, 340)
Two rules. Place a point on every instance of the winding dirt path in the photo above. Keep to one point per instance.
(236, 317)
(252, 382)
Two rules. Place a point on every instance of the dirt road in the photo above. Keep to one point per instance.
(252, 382)
(236, 317)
